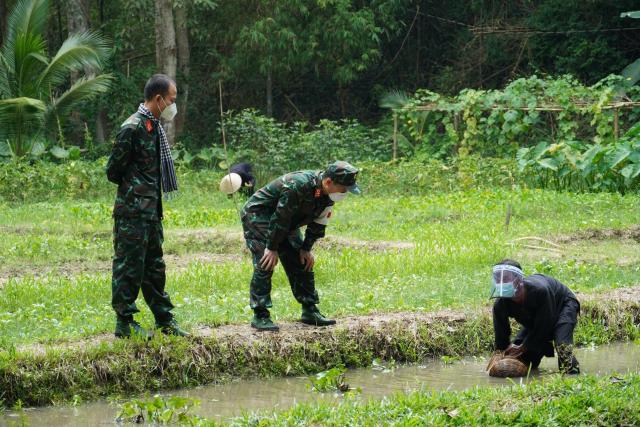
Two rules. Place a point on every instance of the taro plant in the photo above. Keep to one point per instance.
(574, 165)
(34, 89)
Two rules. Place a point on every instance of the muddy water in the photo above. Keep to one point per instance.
(224, 401)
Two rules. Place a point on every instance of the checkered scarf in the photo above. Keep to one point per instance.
(168, 172)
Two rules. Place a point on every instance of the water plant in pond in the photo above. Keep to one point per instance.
(159, 410)
(448, 360)
(330, 380)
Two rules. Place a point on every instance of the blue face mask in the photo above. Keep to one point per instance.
(505, 290)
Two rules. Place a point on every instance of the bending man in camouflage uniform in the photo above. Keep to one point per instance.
(271, 220)
(135, 165)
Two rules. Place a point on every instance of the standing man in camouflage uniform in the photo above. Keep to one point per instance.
(141, 166)
(271, 220)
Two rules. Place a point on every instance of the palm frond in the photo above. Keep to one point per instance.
(393, 99)
(29, 63)
(27, 17)
(84, 89)
(79, 51)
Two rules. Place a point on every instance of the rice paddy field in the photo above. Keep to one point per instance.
(391, 252)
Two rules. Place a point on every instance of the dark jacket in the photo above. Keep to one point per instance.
(134, 165)
(245, 172)
(541, 311)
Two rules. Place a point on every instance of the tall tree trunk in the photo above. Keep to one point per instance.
(166, 50)
(3, 20)
(77, 14)
(269, 93)
(101, 11)
(182, 41)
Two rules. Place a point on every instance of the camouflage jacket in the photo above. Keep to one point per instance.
(288, 203)
(135, 166)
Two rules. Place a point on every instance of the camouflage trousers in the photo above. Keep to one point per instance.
(302, 282)
(138, 263)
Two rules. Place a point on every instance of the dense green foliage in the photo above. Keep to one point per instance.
(80, 180)
(498, 122)
(333, 59)
(275, 147)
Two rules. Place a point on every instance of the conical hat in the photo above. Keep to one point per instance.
(230, 183)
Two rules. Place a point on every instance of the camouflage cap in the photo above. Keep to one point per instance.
(345, 174)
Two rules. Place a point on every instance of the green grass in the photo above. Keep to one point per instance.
(457, 235)
(582, 401)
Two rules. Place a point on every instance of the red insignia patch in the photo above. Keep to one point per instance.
(317, 194)
(149, 125)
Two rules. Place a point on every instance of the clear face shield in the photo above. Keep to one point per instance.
(504, 281)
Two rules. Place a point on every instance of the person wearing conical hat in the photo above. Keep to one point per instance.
(241, 178)
(271, 220)
(546, 309)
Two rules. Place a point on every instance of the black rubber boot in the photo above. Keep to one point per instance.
(171, 328)
(312, 316)
(126, 326)
(262, 321)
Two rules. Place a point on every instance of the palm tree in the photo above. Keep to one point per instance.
(34, 89)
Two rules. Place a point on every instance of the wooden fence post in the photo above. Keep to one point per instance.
(395, 135)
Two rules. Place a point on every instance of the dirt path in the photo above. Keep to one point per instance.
(295, 332)
(330, 241)
(231, 244)
(71, 269)
(599, 246)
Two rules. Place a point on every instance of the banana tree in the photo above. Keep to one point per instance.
(34, 91)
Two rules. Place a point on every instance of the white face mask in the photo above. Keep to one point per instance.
(336, 197)
(169, 112)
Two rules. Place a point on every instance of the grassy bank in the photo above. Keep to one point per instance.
(90, 370)
(586, 400)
